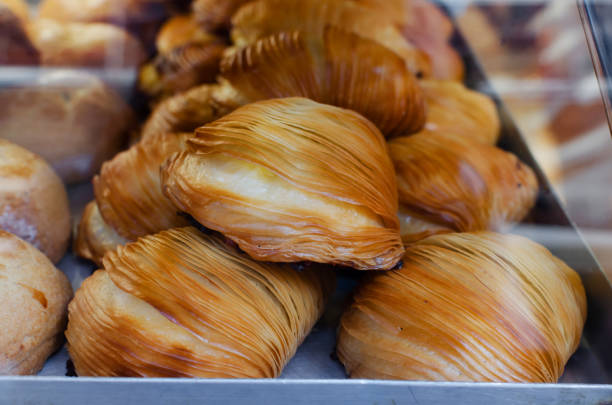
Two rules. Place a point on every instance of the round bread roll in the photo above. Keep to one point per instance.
(72, 119)
(33, 201)
(35, 297)
(79, 44)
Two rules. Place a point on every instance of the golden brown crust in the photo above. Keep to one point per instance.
(72, 119)
(338, 68)
(33, 201)
(181, 30)
(182, 68)
(466, 307)
(85, 44)
(183, 304)
(292, 180)
(94, 237)
(459, 185)
(17, 48)
(214, 14)
(456, 111)
(191, 109)
(262, 18)
(19, 7)
(118, 12)
(128, 190)
(35, 296)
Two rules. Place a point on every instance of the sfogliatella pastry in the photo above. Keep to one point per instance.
(70, 118)
(128, 190)
(337, 67)
(292, 180)
(262, 18)
(33, 201)
(94, 236)
(85, 44)
(457, 185)
(213, 14)
(188, 56)
(184, 304)
(466, 307)
(456, 111)
(17, 48)
(35, 297)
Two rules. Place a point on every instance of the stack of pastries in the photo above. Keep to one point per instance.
(287, 139)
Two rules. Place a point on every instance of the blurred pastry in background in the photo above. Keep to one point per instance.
(72, 119)
(85, 44)
(19, 7)
(33, 201)
(215, 15)
(17, 48)
(35, 298)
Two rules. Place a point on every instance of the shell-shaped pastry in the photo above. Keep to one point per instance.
(181, 30)
(466, 307)
(128, 190)
(181, 69)
(292, 180)
(184, 304)
(94, 237)
(191, 109)
(85, 44)
(17, 48)
(338, 68)
(455, 110)
(262, 18)
(215, 14)
(448, 185)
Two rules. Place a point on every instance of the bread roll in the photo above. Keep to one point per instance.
(184, 304)
(33, 201)
(479, 306)
(34, 300)
(17, 49)
(85, 44)
(71, 119)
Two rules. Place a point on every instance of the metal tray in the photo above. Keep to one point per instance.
(314, 375)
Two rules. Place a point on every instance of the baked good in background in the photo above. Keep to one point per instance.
(448, 184)
(18, 7)
(466, 307)
(72, 119)
(33, 201)
(187, 56)
(336, 67)
(141, 17)
(33, 313)
(94, 237)
(85, 44)
(215, 15)
(17, 48)
(128, 192)
(184, 304)
(292, 180)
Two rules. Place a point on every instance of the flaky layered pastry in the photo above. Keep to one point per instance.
(85, 44)
(262, 18)
(128, 190)
(292, 180)
(338, 68)
(181, 69)
(466, 307)
(184, 304)
(195, 107)
(451, 185)
(456, 111)
(214, 14)
(94, 237)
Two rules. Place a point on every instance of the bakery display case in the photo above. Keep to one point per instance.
(349, 201)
